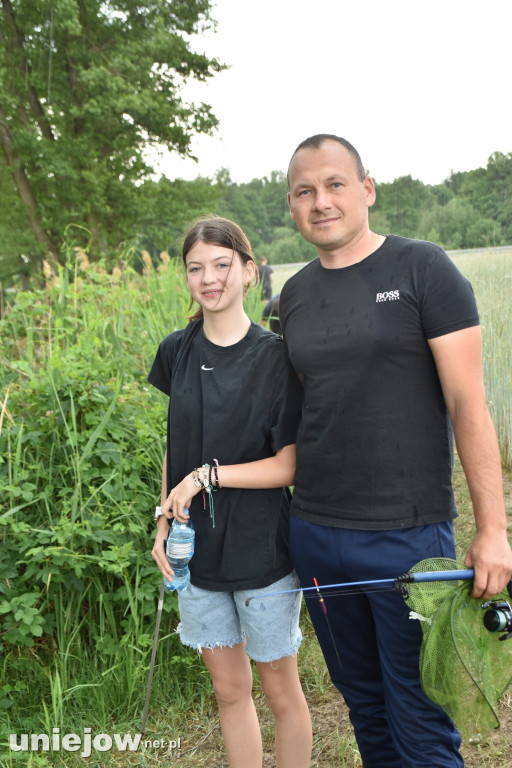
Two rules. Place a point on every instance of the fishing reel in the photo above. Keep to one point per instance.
(498, 617)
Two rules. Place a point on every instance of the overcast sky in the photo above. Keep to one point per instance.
(418, 87)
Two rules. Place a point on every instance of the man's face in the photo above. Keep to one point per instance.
(327, 200)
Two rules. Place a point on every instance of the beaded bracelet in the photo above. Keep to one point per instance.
(216, 472)
(203, 481)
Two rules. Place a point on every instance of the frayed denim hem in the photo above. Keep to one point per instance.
(269, 658)
(199, 647)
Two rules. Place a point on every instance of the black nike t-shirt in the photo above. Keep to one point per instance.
(237, 404)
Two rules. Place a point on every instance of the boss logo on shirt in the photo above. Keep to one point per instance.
(388, 296)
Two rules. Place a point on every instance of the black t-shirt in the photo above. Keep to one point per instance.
(237, 404)
(271, 310)
(266, 284)
(375, 447)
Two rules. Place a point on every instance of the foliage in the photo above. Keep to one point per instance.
(489, 190)
(291, 249)
(16, 238)
(81, 446)
(259, 207)
(402, 202)
(82, 438)
(86, 89)
(167, 208)
(469, 210)
(457, 225)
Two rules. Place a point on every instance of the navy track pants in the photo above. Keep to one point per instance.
(395, 724)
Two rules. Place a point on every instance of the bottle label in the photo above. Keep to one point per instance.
(180, 550)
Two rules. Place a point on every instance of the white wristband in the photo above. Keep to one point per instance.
(158, 513)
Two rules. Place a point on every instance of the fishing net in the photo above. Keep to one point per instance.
(464, 667)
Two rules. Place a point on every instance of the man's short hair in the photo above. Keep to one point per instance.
(315, 142)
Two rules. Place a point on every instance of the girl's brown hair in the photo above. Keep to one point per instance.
(214, 230)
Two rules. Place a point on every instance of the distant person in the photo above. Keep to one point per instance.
(234, 396)
(265, 273)
(271, 314)
(384, 333)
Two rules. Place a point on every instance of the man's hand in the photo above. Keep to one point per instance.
(491, 557)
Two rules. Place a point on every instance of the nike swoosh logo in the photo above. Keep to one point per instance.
(204, 368)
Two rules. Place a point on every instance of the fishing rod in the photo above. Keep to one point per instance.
(399, 583)
(497, 617)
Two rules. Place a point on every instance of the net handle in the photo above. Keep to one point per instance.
(461, 575)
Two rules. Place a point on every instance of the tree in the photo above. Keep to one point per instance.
(489, 190)
(243, 203)
(457, 225)
(401, 203)
(259, 206)
(168, 208)
(86, 86)
(291, 249)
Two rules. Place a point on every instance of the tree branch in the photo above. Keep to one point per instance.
(15, 43)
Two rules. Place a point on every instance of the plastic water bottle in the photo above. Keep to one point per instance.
(180, 548)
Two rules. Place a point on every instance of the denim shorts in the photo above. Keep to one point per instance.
(268, 625)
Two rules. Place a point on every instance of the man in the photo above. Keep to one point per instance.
(271, 313)
(265, 274)
(384, 334)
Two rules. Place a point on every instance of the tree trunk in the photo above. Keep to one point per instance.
(26, 193)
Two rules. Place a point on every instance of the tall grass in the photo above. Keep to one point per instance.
(491, 276)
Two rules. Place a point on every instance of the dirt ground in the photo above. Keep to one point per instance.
(333, 743)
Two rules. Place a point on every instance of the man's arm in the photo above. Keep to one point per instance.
(458, 357)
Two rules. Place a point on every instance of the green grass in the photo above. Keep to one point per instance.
(491, 276)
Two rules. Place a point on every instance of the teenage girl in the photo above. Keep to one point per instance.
(233, 415)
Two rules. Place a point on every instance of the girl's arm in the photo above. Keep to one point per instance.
(274, 472)
(162, 531)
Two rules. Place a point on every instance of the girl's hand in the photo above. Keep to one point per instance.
(178, 501)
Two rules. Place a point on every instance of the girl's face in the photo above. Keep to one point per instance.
(216, 276)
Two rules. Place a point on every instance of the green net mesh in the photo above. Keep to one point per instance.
(464, 668)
